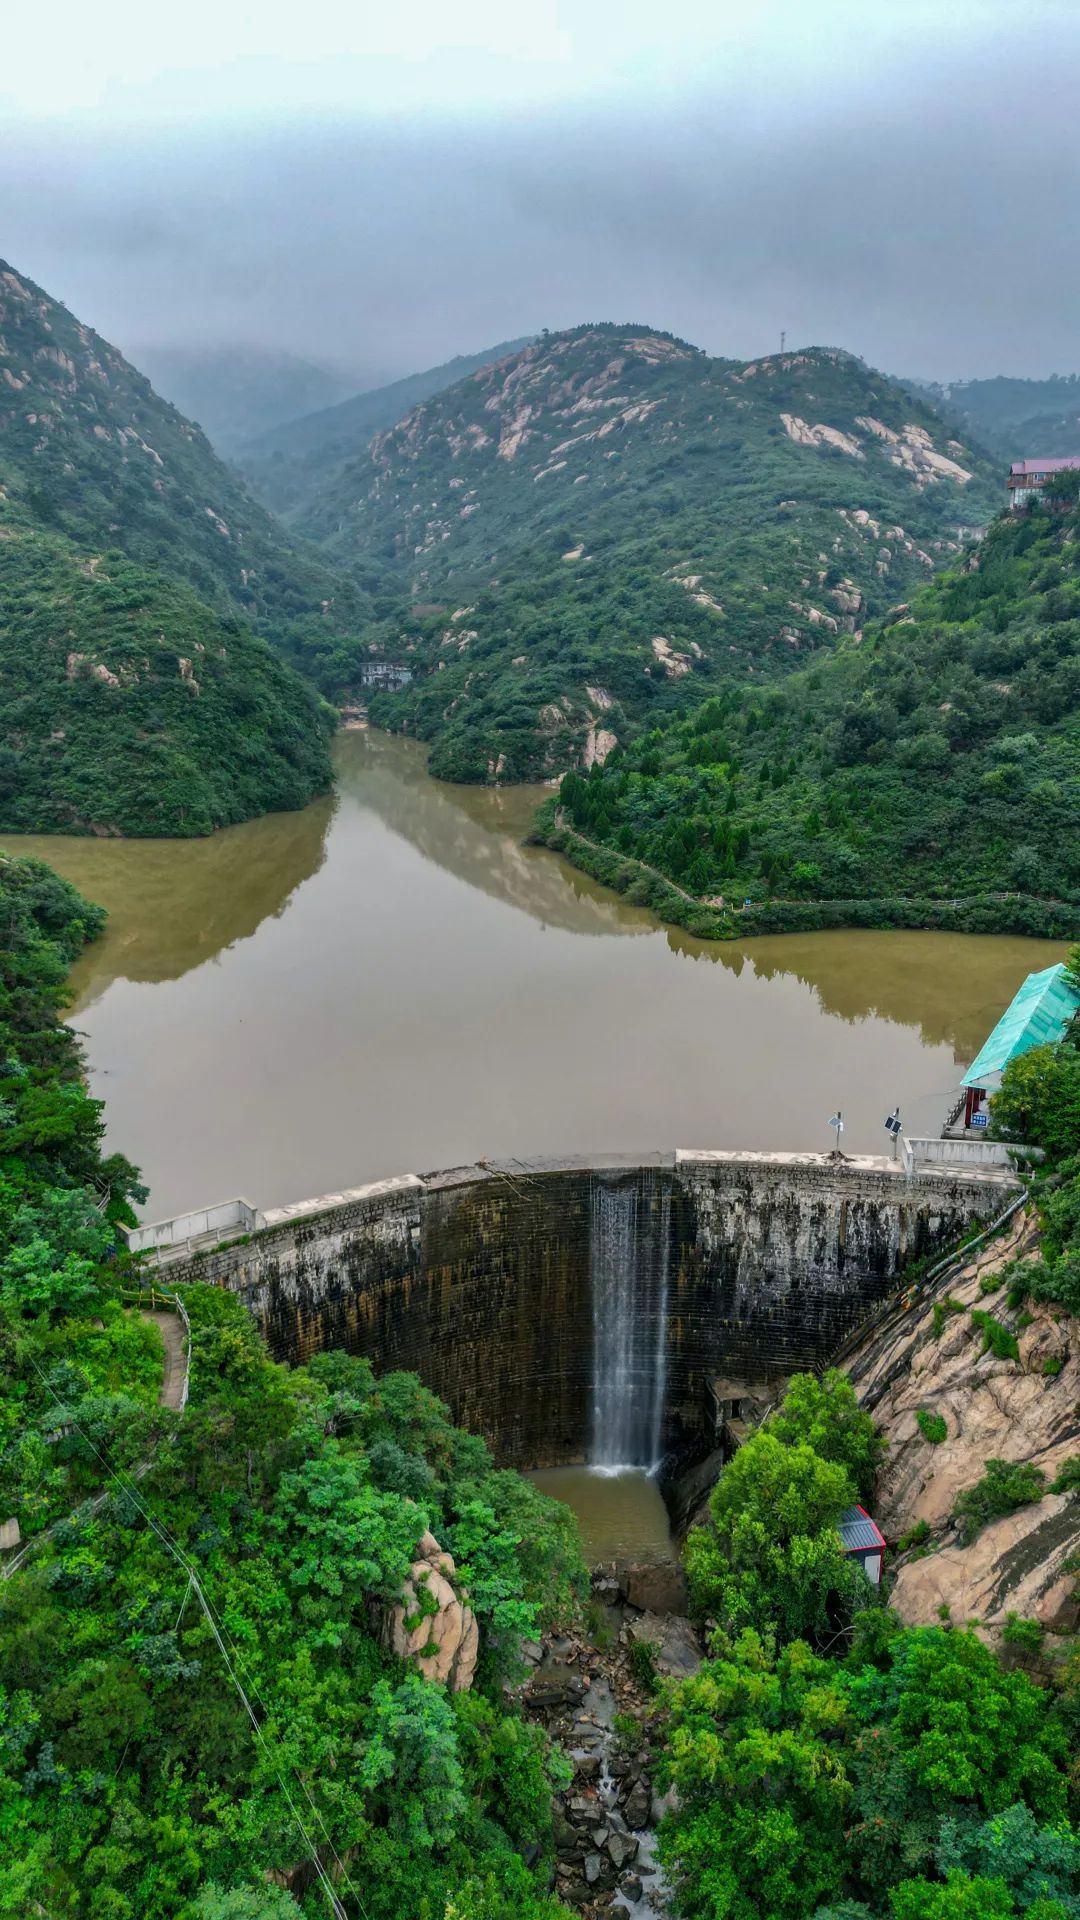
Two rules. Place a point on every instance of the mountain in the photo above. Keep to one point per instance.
(927, 774)
(135, 693)
(236, 393)
(1016, 418)
(288, 465)
(96, 454)
(129, 706)
(609, 524)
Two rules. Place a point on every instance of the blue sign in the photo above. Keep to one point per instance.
(980, 1119)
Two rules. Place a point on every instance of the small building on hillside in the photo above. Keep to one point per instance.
(1038, 1014)
(1027, 478)
(863, 1541)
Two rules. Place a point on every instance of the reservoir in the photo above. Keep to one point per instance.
(390, 982)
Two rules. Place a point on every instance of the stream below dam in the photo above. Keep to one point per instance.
(389, 981)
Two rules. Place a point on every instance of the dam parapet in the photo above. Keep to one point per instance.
(540, 1297)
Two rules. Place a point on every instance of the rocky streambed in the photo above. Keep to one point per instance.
(595, 1696)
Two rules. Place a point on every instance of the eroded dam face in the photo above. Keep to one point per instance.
(571, 1310)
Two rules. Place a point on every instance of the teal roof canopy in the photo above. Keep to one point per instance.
(1038, 1015)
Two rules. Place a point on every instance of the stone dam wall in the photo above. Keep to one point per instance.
(481, 1279)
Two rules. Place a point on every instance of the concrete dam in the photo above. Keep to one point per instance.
(576, 1309)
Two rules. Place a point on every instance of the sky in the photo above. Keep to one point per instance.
(379, 189)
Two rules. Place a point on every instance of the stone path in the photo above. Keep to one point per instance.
(170, 1327)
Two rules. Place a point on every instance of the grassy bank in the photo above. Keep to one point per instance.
(644, 886)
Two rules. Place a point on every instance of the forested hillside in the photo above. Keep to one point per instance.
(287, 466)
(136, 580)
(610, 525)
(93, 452)
(253, 1563)
(238, 392)
(129, 706)
(925, 773)
(1019, 419)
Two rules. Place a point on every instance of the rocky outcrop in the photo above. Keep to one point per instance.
(432, 1624)
(1019, 1564)
(929, 1361)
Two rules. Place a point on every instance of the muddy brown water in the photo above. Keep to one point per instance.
(621, 1516)
(391, 982)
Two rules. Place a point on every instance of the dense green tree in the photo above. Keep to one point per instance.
(772, 1554)
(825, 1414)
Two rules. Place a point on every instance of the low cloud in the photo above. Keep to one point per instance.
(924, 217)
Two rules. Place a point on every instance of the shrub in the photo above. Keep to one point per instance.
(1005, 1486)
(997, 1338)
(916, 1536)
(643, 1664)
(932, 1426)
(942, 1310)
(1068, 1476)
(1052, 1366)
(1025, 1634)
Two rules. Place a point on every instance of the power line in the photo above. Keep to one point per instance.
(179, 1555)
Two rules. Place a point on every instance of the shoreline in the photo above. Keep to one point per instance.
(644, 886)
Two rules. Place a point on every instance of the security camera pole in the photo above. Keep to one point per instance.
(894, 1126)
(837, 1123)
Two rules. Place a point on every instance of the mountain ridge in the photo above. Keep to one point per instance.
(136, 694)
(287, 463)
(610, 522)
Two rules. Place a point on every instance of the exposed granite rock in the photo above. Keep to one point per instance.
(443, 1645)
(1015, 1565)
(993, 1409)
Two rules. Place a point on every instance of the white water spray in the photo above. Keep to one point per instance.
(628, 1259)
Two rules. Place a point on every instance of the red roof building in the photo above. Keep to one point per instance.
(863, 1539)
(1027, 478)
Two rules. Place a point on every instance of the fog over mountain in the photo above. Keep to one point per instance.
(367, 194)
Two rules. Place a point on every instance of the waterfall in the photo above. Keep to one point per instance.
(628, 1259)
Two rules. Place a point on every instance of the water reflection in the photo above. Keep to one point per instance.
(392, 981)
(175, 904)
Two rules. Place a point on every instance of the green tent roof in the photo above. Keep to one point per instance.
(1039, 1013)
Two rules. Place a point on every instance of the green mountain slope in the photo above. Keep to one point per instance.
(238, 392)
(136, 579)
(609, 525)
(928, 774)
(127, 705)
(1018, 419)
(290, 464)
(95, 454)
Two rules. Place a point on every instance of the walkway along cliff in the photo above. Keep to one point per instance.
(575, 1309)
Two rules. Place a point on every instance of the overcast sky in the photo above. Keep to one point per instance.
(385, 189)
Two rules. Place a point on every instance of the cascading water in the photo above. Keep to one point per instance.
(628, 1259)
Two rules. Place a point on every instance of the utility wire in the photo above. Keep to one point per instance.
(172, 1547)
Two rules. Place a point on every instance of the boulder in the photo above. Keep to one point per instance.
(623, 1849)
(636, 1805)
(631, 1886)
(556, 1685)
(676, 1648)
(659, 1588)
(442, 1644)
(587, 1766)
